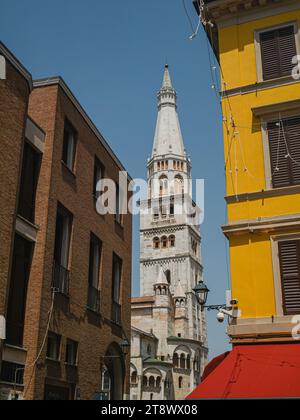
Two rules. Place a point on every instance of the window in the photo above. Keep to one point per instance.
(134, 377)
(29, 180)
(172, 241)
(21, 263)
(12, 373)
(64, 221)
(278, 47)
(289, 256)
(71, 352)
(69, 146)
(182, 361)
(163, 185)
(180, 382)
(106, 382)
(98, 175)
(188, 362)
(118, 216)
(94, 271)
(284, 146)
(151, 382)
(53, 346)
(179, 185)
(116, 289)
(168, 276)
(164, 241)
(156, 243)
(175, 360)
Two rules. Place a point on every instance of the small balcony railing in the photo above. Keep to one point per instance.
(116, 313)
(93, 299)
(61, 279)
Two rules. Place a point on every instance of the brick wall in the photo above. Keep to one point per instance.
(49, 106)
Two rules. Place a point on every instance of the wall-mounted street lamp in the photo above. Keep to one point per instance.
(201, 292)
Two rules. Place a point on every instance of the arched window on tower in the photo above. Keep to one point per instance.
(172, 241)
(179, 185)
(134, 377)
(168, 276)
(176, 360)
(156, 243)
(163, 185)
(151, 382)
(164, 242)
(182, 361)
(188, 362)
(180, 382)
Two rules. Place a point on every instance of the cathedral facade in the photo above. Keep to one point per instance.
(169, 343)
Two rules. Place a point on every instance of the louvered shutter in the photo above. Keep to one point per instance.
(278, 47)
(289, 255)
(284, 140)
(287, 49)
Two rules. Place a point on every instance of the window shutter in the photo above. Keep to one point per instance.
(278, 47)
(284, 138)
(269, 55)
(287, 49)
(289, 255)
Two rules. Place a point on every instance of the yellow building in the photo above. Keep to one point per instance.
(256, 43)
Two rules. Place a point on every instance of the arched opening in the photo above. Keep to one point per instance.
(180, 382)
(152, 382)
(163, 185)
(158, 382)
(145, 381)
(113, 375)
(179, 185)
(176, 360)
(134, 377)
(156, 243)
(188, 362)
(172, 241)
(182, 361)
(164, 242)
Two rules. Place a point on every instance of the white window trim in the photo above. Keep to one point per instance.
(259, 68)
(276, 268)
(265, 120)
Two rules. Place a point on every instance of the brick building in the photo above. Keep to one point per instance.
(65, 275)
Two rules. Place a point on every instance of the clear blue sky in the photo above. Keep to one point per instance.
(112, 54)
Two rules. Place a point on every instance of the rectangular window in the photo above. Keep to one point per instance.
(284, 146)
(278, 47)
(118, 216)
(71, 352)
(53, 346)
(29, 179)
(69, 146)
(21, 264)
(289, 256)
(94, 271)
(116, 289)
(98, 175)
(64, 221)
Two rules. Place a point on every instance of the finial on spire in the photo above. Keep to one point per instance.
(167, 84)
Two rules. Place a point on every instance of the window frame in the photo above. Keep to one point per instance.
(70, 126)
(75, 362)
(58, 352)
(275, 239)
(258, 51)
(265, 120)
(98, 166)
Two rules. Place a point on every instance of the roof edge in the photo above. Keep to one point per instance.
(58, 80)
(9, 56)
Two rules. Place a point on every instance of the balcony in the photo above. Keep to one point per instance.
(61, 279)
(116, 313)
(93, 303)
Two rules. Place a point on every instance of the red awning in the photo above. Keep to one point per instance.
(253, 371)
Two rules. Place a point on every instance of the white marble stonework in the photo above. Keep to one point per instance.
(169, 343)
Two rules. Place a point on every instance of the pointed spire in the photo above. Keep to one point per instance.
(168, 137)
(179, 292)
(162, 279)
(167, 83)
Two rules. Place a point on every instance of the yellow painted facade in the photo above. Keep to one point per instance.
(250, 198)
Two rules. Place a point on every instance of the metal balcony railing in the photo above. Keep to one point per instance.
(61, 279)
(93, 299)
(116, 313)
